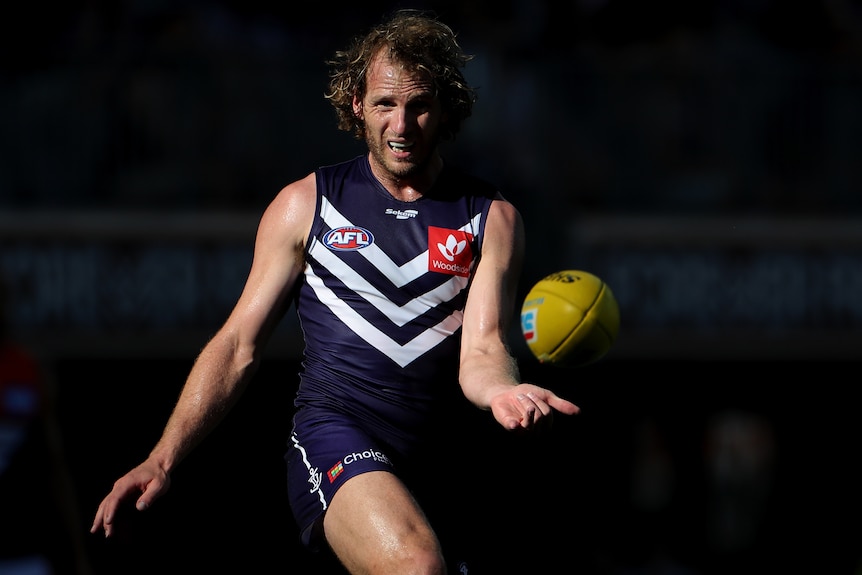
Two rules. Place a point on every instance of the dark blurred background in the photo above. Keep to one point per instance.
(701, 157)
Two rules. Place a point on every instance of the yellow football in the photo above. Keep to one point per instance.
(570, 318)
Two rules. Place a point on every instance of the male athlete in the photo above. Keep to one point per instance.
(403, 271)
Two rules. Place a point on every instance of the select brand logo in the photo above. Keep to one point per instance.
(449, 251)
(402, 214)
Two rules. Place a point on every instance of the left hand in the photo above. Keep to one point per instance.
(528, 407)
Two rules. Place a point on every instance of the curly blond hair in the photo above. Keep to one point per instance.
(420, 42)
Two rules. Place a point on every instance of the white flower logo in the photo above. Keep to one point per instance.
(452, 248)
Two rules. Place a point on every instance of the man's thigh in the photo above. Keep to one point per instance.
(374, 516)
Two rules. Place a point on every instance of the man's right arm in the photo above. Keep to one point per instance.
(229, 360)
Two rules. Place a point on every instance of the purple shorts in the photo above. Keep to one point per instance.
(322, 454)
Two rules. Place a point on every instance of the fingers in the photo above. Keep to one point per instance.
(104, 518)
(97, 520)
(141, 482)
(534, 410)
(562, 405)
(527, 407)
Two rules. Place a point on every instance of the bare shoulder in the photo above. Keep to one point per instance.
(505, 239)
(295, 198)
(504, 218)
(292, 210)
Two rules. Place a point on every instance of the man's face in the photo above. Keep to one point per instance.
(402, 118)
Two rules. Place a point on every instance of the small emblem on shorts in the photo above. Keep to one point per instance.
(314, 479)
(335, 471)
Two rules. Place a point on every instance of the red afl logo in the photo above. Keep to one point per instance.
(348, 238)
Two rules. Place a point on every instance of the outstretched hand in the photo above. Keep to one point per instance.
(148, 480)
(529, 407)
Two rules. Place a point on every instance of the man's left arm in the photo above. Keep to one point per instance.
(489, 374)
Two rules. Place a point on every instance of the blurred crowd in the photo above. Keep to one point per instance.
(600, 106)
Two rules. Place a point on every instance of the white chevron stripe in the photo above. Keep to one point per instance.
(400, 354)
(399, 315)
(399, 275)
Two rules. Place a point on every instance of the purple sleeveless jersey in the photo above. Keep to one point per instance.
(380, 305)
(382, 298)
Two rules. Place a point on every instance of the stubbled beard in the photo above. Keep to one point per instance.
(398, 169)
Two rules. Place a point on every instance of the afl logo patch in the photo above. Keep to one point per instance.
(348, 238)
